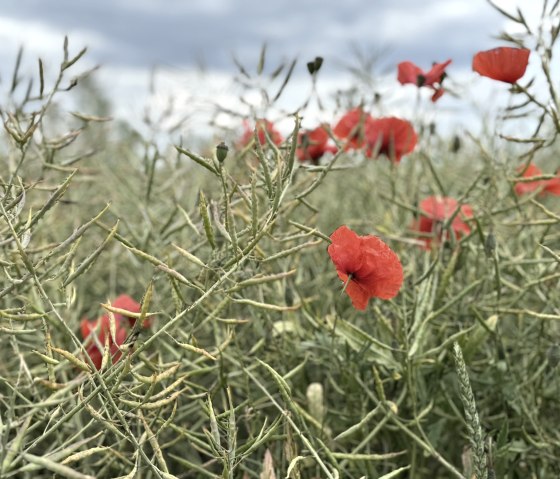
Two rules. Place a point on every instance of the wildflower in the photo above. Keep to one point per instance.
(504, 64)
(408, 72)
(553, 186)
(367, 266)
(522, 188)
(221, 152)
(550, 186)
(126, 302)
(313, 144)
(102, 327)
(351, 127)
(434, 211)
(391, 137)
(262, 126)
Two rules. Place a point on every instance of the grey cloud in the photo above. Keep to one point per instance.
(182, 33)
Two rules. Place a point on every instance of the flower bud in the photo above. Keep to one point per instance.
(221, 152)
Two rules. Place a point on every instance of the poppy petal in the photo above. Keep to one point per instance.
(408, 72)
(436, 73)
(438, 93)
(345, 250)
(553, 186)
(261, 125)
(86, 327)
(392, 137)
(312, 145)
(357, 293)
(504, 64)
(351, 127)
(384, 273)
(525, 187)
(95, 355)
(434, 211)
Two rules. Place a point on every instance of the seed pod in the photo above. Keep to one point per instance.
(221, 152)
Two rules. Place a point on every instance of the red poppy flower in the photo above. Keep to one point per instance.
(351, 127)
(101, 326)
(522, 188)
(434, 211)
(551, 186)
(438, 93)
(408, 72)
(391, 137)
(367, 266)
(126, 302)
(262, 126)
(503, 64)
(313, 144)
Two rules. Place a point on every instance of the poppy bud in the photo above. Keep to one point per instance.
(455, 144)
(221, 152)
(314, 66)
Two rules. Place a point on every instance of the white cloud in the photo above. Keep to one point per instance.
(41, 39)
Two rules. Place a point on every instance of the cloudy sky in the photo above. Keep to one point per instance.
(192, 42)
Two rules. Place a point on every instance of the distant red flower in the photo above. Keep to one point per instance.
(408, 72)
(522, 188)
(434, 211)
(351, 127)
(262, 126)
(391, 137)
(102, 328)
(504, 64)
(438, 93)
(313, 144)
(367, 266)
(101, 325)
(126, 302)
(551, 186)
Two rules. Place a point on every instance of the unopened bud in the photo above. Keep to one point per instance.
(455, 144)
(314, 66)
(221, 152)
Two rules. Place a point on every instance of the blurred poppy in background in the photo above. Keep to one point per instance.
(434, 212)
(101, 327)
(313, 144)
(504, 64)
(367, 266)
(126, 302)
(532, 170)
(351, 128)
(262, 126)
(391, 137)
(553, 186)
(547, 186)
(408, 72)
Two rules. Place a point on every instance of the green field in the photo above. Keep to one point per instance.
(245, 356)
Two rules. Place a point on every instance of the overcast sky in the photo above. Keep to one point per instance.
(129, 37)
